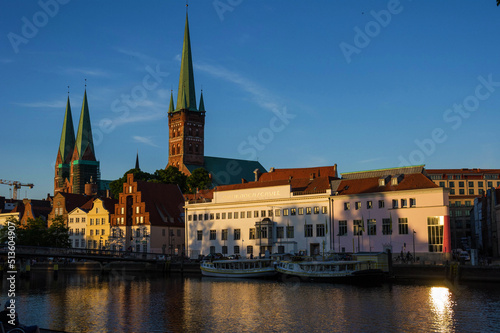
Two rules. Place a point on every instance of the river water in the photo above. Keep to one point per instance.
(127, 302)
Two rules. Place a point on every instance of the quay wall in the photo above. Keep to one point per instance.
(400, 272)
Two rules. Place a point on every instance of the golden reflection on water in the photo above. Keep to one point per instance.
(441, 306)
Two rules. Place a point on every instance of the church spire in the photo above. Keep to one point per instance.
(137, 161)
(84, 142)
(186, 79)
(67, 143)
(202, 103)
(171, 107)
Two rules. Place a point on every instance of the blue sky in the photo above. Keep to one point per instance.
(364, 84)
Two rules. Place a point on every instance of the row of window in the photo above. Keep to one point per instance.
(452, 176)
(358, 227)
(176, 150)
(258, 213)
(381, 204)
(471, 191)
(458, 213)
(177, 132)
(451, 184)
(98, 221)
(267, 232)
(77, 231)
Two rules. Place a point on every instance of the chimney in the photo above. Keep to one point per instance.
(271, 170)
(312, 176)
(257, 174)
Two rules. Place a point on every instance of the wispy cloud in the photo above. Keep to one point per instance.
(260, 95)
(43, 104)
(87, 71)
(370, 160)
(145, 140)
(138, 55)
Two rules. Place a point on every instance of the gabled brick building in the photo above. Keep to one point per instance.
(148, 217)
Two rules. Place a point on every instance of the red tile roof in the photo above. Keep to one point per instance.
(285, 174)
(371, 185)
(164, 202)
(318, 184)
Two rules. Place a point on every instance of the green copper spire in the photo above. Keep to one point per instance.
(171, 108)
(84, 142)
(202, 103)
(67, 143)
(186, 79)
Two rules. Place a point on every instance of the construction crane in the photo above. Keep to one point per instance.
(16, 185)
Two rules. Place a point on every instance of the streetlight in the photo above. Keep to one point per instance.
(414, 232)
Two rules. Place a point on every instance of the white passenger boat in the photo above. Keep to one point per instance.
(244, 268)
(357, 272)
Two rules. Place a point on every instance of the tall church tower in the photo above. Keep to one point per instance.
(84, 166)
(186, 122)
(63, 160)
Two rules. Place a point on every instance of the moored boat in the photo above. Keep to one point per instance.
(351, 271)
(244, 268)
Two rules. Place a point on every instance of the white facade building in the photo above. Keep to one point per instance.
(286, 212)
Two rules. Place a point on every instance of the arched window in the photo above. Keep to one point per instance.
(173, 149)
(190, 131)
(197, 149)
(197, 132)
(178, 149)
(190, 148)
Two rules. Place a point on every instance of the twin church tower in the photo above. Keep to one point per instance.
(77, 167)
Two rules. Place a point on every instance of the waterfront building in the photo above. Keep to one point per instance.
(77, 223)
(98, 223)
(148, 218)
(283, 211)
(465, 185)
(399, 209)
(186, 122)
(63, 203)
(312, 211)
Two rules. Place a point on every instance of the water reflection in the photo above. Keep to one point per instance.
(88, 302)
(442, 308)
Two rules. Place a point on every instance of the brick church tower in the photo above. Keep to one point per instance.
(76, 164)
(186, 122)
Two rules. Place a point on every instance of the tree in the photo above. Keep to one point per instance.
(171, 175)
(58, 234)
(199, 180)
(36, 233)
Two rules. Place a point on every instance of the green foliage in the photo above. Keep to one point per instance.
(199, 179)
(171, 175)
(36, 233)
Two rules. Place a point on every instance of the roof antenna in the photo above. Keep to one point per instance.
(68, 91)
(85, 83)
(187, 6)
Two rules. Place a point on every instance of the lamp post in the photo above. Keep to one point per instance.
(414, 232)
(338, 235)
